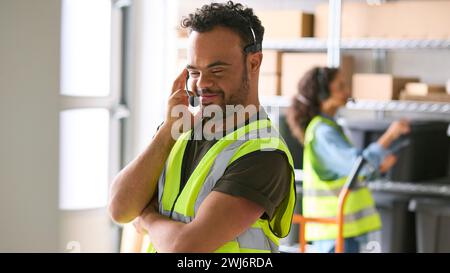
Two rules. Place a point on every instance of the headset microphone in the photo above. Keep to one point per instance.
(193, 101)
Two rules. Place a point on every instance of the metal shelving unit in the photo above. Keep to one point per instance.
(376, 109)
(380, 109)
(314, 44)
(435, 189)
(335, 45)
(428, 110)
(413, 110)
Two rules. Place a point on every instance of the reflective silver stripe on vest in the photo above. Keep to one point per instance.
(348, 218)
(161, 180)
(325, 193)
(176, 216)
(254, 238)
(360, 214)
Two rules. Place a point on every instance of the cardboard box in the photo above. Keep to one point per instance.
(448, 87)
(295, 65)
(269, 85)
(423, 89)
(419, 19)
(383, 20)
(355, 20)
(430, 97)
(271, 62)
(269, 74)
(398, 19)
(379, 86)
(286, 24)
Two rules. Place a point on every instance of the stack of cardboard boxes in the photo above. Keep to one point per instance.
(400, 19)
(276, 65)
(421, 19)
(425, 92)
(286, 24)
(379, 86)
(386, 87)
(281, 71)
(295, 65)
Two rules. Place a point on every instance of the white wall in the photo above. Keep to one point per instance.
(29, 83)
(430, 66)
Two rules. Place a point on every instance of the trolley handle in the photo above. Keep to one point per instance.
(352, 178)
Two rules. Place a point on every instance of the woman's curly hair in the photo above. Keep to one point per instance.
(234, 16)
(312, 90)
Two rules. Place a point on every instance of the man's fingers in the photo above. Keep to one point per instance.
(180, 81)
(179, 96)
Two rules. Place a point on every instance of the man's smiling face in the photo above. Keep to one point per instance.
(216, 67)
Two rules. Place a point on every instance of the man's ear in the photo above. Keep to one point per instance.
(255, 61)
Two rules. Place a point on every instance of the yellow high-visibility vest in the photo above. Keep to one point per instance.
(263, 235)
(320, 198)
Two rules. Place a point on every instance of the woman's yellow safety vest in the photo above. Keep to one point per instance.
(320, 198)
(264, 235)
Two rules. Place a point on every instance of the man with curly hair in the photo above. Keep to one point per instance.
(231, 194)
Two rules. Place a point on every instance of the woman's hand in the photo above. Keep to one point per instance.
(398, 128)
(388, 162)
(395, 130)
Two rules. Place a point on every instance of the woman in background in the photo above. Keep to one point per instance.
(329, 156)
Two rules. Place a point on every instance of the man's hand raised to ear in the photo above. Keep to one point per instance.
(136, 184)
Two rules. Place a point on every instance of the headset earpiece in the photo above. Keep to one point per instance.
(323, 84)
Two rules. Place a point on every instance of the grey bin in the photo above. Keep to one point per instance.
(432, 224)
(398, 229)
(292, 143)
(425, 158)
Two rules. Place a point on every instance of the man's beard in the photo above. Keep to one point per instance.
(239, 97)
(222, 120)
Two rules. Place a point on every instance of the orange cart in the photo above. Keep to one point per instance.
(339, 220)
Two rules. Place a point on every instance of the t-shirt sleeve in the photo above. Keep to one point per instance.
(262, 177)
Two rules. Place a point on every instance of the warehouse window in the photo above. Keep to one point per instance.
(85, 51)
(91, 96)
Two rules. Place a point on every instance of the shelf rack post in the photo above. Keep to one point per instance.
(334, 34)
